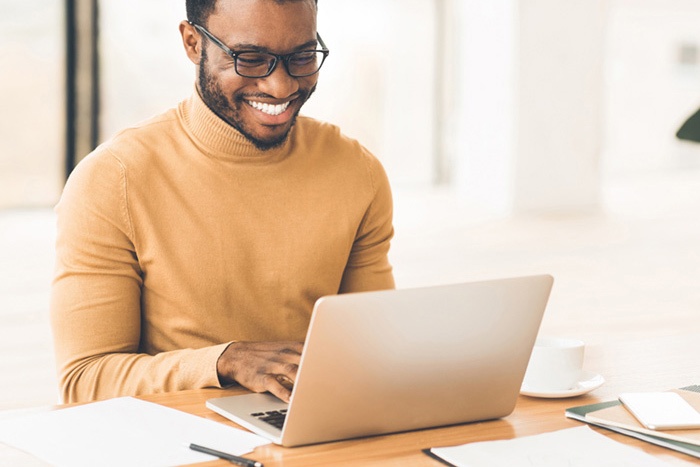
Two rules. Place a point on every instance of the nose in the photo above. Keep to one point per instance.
(279, 84)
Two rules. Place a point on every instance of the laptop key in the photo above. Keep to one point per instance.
(274, 418)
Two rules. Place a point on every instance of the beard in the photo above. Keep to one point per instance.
(229, 110)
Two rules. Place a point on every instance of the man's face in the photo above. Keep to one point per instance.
(259, 25)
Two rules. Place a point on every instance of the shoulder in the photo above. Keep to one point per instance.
(346, 159)
(106, 165)
(149, 134)
(134, 146)
(96, 183)
(329, 142)
(324, 134)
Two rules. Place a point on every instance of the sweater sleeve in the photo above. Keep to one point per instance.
(96, 297)
(368, 266)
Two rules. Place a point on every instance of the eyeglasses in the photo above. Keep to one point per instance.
(261, 64)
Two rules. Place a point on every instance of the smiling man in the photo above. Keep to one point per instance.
(192, 247)
(263, 110)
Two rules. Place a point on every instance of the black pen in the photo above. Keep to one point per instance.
(229, 457)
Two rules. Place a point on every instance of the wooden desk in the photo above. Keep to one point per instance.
(635, 362)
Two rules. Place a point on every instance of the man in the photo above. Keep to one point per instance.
(192, 247)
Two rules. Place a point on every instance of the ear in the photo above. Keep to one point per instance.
(192, 42)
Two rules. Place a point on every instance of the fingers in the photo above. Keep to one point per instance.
(262, 366)
(286, 382)
(293, 348)
(276, 386)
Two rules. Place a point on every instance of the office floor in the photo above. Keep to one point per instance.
(636, 257)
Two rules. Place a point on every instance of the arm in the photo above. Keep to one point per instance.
(96, 307)
(96, 298)
(368, 266)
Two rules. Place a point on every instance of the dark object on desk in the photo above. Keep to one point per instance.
(428, 452)
(690, 130)
(242, 461)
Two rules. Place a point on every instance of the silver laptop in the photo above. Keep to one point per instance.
(399, 360)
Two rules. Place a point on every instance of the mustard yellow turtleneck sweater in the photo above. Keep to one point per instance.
(178, 236)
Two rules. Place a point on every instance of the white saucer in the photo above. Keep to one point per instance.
(588, 382)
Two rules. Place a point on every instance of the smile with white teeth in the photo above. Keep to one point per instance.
(269, 108)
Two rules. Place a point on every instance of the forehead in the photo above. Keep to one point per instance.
(266, 23)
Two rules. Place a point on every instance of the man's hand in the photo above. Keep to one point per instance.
(261, 366)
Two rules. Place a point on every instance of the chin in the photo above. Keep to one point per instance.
(265, 144)
(270, 142)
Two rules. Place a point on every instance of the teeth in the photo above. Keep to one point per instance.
(269, 109)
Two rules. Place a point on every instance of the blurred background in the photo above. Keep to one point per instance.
(520, 136)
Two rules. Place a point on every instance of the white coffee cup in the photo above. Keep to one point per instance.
(556, 364)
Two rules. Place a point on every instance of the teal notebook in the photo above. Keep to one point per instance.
(579, 413)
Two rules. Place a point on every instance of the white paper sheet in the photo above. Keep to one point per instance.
(120, 432)
(573, 447)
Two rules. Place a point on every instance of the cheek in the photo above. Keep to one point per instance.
(227, 81)
(309, 82)
(230, 82)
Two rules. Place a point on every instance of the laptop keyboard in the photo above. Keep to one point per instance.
(274, 417)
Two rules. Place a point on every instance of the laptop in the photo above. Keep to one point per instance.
(400, 360)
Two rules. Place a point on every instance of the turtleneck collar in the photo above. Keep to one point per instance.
(220, 140)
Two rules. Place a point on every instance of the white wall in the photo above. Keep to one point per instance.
(560, 105)
(144, 69)
(649, 93)
(32, 86)
(529, 88)
(483, 49)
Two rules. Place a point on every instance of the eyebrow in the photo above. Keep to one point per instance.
(246, 47)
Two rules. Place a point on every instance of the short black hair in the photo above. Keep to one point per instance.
(198, 11)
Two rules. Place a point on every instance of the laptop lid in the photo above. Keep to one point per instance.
(399, 360)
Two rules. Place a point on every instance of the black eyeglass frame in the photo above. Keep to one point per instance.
(284, 58)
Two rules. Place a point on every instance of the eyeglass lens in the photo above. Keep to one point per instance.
(256, 64)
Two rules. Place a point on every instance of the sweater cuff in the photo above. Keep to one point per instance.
(201, 372)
